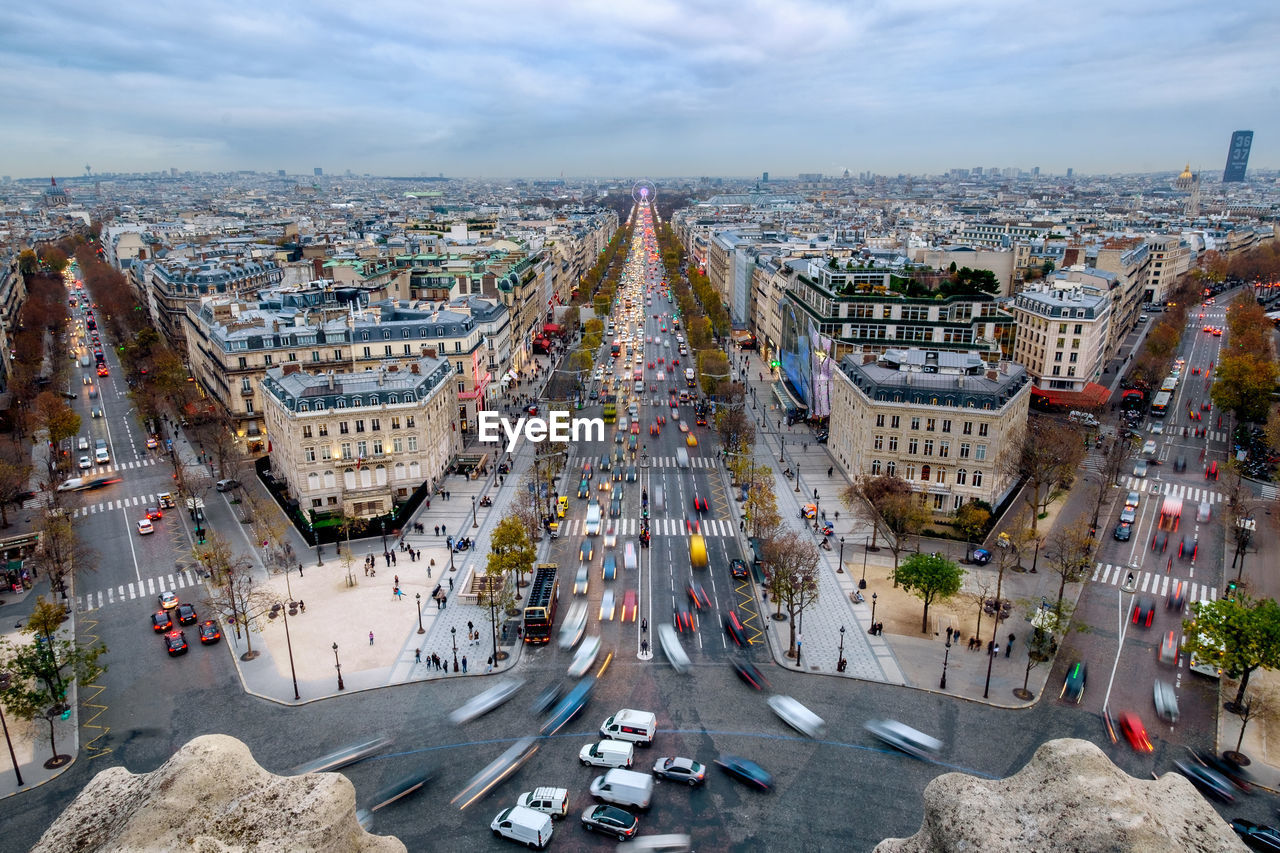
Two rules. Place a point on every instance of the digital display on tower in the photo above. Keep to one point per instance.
(1238, 156)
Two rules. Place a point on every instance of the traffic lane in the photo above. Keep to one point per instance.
(110, 537)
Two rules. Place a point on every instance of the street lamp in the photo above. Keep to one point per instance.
(454, 632)
(474, 523)
(284, 611)
(338, 666)
(418, 598)
(873, 614)
(945, 655)
(17, 771)
(840, 567)
(866, 546)
(840, 662)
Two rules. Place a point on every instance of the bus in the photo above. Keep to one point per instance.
(1160, 405)
(616, 348)
(540, 604)
(1170, 384)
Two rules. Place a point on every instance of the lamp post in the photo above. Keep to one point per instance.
(866, 546)
(288, 641)
(319, 550)
(17, 771)
(474, 522)
(454, 632)
(873, 613)
(840, 660)
(945, 655)
(337, 664)
(417, 596)
(840, 567)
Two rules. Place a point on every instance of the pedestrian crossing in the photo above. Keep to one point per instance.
(142, 501)
(657, 526)
(97, 471)
(1268, 491)
(1173, 490)
(149, 588)
(1152, 583)
(695, 461)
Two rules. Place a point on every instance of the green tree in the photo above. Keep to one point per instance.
(37, 675)
(58, 420)
(971, 519)
(1241, 632)
(511, 553)
(1243, 384)
(929, 578)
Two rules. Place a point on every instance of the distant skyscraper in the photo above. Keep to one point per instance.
(318, 172)
(1238, 156)
(1071, 173)
(765, 177)
(1035, 170)
(279, 173)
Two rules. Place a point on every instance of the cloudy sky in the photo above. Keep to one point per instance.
(635, 87)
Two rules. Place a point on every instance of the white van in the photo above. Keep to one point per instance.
(623, 788)
(607, 753)
(593, 518)
(529, 827)
(83, 443)
(659, 499)
(630, 725)
(1205, 510)
(548, 800)
(630, 561)
(682, 457)
(672, 649)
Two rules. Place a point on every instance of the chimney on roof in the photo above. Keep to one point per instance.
(993, 375)
(331, 380)
(291, 368)
(428, 352)
(413, 368)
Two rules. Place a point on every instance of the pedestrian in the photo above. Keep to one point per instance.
(470, 627)
(1009, 647)
(450, 584)
(386, 555)
(644, 647)
(397, 580)
(399, 595)
(429, 571)
(436, 529)
(644, 626)
(831, 471)
(417, 655)
(371, 638)
(366, 568)
(393, 558)
(445, 533)
(464, 664)
(299, 569)
(504, 633)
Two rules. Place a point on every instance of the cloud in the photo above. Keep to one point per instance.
(697, 87)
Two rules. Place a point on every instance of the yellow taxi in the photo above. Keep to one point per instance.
(691, 440)
(562, 505)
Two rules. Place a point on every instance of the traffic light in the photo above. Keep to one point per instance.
(200, 536)
(775, 363)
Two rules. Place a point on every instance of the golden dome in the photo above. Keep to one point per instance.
(1186, 173)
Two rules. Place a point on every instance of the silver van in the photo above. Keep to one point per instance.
(659, 499)
(671, 647)
(1204, 512)
(903, 737)
(682, 457)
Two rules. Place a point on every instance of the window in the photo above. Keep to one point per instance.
(355, 403)
(961, 476)
(915, 423)
(893, 444)
(309, 454)
(368, 353)
(977, 479)
(359, 426)
(1079, 328)
(913, 446)
(397, 445)
(244, 362)
(346, 450)
(895, 422)
(386, 351)
(968, 427)
(875, 467)
(928, 447)
(937, 501)
(306, 430)
(878, 442)
(982, 429)
(965, 447)
(375, 424)
(981, 453)
(944, 449)
(266, 359)
(910, 472)
(457, 368)
(337, 355)
(891, 469)
(1057, 356)
(343, 428)
(377, 447)
(408, 348)
(293, 356)
(395, 420)
(326, 452)
(413, 443)
(1057, 371)
(315, 355)
(930, 423)
(408, 421)
(246, 385)
(940, 476)
(946, 425)
(880, 420)
(362, 449)
(1075, 357)
(342, 404)
(924, 473)
(324, 430)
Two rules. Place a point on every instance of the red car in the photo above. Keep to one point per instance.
(653, 429)
(1135, 732)
(635, 428)
(699, 504)
(102, 370)
(699, 596)
(684, 619)
(692, 525)
(733, 627)
(629, 606)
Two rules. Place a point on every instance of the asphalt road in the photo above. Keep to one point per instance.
(846, 792)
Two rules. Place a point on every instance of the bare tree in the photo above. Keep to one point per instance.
(239, 601)
(60, 553)
(1069, 552)
(793, 561)
(1044, 456)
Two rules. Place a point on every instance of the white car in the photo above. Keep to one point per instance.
(607, 606)
(797, 716)
(85, 462)
(145, 526)
(574, 625)
(585, 657)
(485, 702)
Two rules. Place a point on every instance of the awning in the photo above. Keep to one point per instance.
(784, 397)
(1091, 397)
(552, 329)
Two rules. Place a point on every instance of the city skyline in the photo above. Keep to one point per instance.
(670, 89)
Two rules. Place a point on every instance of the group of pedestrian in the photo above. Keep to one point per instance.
(370, 567)
(440, 530)
(876, 629)
(433, 660)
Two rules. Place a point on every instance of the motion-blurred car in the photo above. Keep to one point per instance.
(1166, 701)
(342, 757)
(733, 627)
(587, 550)
(607, 606)
(629, 606)
(585, 657)
(678, 769)
(483, 703)
(1177, 599)
(903, 737)
(1140, 468)
(691, 439)
(745, 771)
(750, 674)
(699, 504)
(683, 619)
(699, 596)
(1144, 611)
(1208, 780)
(796, 715)
(1073, 685)
(1168, 654)
(1135, 732)
(1257, 836)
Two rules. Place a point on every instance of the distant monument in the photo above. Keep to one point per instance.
(1237, 156)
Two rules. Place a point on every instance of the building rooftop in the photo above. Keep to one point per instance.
(934, 378)
(299, 390)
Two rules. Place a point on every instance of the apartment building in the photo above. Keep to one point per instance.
(941, 420)
(324, 327)
(168, 287)
(359, 443)
(1170, 258)
(1064, 326)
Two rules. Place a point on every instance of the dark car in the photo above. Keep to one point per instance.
(699, 596)
(1256, 835)
(750, 674)
(738, 568)
(746, 771)
(611, 820)
(1144, 611)
(733, 627)
(1208, 780)
(160, 621)
(584, 490)
(1073, 684)
(684, 619)
(699, 504)
(568, 707)
(587, 551)
(175, 642)
(692, 525)
(186, 614)
(548, 697)
(209, 632)
(1122, 532)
